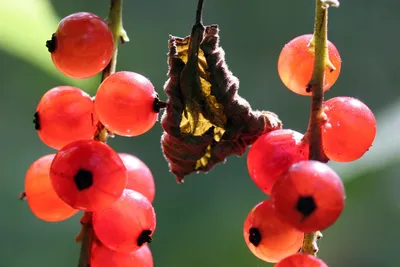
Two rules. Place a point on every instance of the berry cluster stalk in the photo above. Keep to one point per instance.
(119, 34)
(317, 117)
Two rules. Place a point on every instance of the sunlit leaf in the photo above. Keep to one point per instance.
(25, 25)
(206, 120)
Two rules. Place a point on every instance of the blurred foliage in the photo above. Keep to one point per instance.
(200, 222)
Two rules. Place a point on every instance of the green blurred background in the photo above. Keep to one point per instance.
(200, 222)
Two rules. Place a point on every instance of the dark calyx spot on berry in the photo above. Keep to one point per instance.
(83, 179)
(36, 121)
(144, 237)
(158, 105)
(52, 44)
(308, 88)
(254, 236)
(306, 206)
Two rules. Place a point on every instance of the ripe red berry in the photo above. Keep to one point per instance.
(301, 260)
(128, 224)
(63, 115)
(125, 103)
(267, 236)
(103, 256)
(272, 154)
(40, 195)
(296, 63)
(140, 178)
(309, 196)
(350, 129)
(82, 45)
(88, 175)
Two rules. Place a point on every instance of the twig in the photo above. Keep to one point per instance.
(119, 34)
(316, 85)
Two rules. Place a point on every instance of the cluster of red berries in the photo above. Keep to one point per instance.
(305, 195)
(115, 189)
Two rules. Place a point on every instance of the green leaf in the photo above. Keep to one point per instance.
(385, 150)
(24, 28)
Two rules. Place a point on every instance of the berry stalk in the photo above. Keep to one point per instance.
(317, 117)
(114, 19)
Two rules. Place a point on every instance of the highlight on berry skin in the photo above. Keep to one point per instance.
(82, 46)
(103, 256)
(139, 176)
(88, 175)
(126, 104)
(272, 154)
(350, 129)
(61, 109)
(267, 236)
(40, 195)
(309, 196)
(296, 63)
(128, 224)
(301, 260)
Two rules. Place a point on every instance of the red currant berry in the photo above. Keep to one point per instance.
(296, 63)
(309, 196)
(82, 45)
(40, 195)
(301, 260)
(88, 175)
(63, 115)
(350, 129)
(103, 256)
(128, 224)
(267, 236)
(140, 178)
(272, 154)
(125, 104)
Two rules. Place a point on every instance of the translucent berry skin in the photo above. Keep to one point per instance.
(140, 178)
(125, 103)
(272, 154)
(301, 260)
(63, 115)
(103, 256)
(267, 236)
(309, 196)
(296, 63)
(128, 224)
(40, 195)
(83, 45)
(350, 129)
(88, 175)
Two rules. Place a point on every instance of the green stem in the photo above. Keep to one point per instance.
(115, 23)
(119, 34)
(317, 117)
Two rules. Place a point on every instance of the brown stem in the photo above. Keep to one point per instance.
(102, 134)
(316, 86)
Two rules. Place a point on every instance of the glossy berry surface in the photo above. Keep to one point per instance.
(296, 63)
(350, 129)
(309, 196)
(267, 236)
(88, 175)
(272, 154)
(301, 260)
(103, 256)
(63, 115)
(40, 195)
(125, 103)
(139, 176)
(128, 224)
(82, 45)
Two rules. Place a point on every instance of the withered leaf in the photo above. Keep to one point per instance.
(206, 120)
